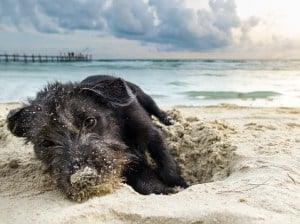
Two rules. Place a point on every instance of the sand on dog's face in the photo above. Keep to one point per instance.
(22, 174)
(87, 183)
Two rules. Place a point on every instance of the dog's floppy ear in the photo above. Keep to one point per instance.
(19, 121)
(115, 92)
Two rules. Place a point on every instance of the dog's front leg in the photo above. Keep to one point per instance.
(167, 168)
(138, 129)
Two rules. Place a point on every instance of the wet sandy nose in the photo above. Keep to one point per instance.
(84, 177)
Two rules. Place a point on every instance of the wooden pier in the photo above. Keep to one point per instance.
(66, 57)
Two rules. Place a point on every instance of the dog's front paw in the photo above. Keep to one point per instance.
(166, 119)
(173, 179)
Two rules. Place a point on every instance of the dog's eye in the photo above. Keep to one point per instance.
(47, 143)
(90, 122)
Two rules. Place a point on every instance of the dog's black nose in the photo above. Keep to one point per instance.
(12, 113)
(11, 120)
(15, 122)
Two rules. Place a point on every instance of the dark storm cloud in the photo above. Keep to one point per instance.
(23, 15)
(53, 16)
(130, 19)
(185, 28)
(74, 14)
(166, 22)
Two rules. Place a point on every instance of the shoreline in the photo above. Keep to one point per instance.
(263, 185)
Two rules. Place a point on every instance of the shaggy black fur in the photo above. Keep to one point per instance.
(104, 123)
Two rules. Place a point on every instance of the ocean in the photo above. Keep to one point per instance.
(170, 82)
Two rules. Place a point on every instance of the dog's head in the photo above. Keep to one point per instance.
(76, 132)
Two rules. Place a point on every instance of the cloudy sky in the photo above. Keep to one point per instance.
(152, 28)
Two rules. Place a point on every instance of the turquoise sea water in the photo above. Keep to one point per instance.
(170, 82)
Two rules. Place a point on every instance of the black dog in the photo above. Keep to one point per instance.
(103, 123)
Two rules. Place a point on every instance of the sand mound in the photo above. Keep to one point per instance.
(200, 148)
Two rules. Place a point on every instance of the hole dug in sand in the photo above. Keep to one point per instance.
(200, 148)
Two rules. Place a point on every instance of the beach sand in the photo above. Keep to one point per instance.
(243, 165)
